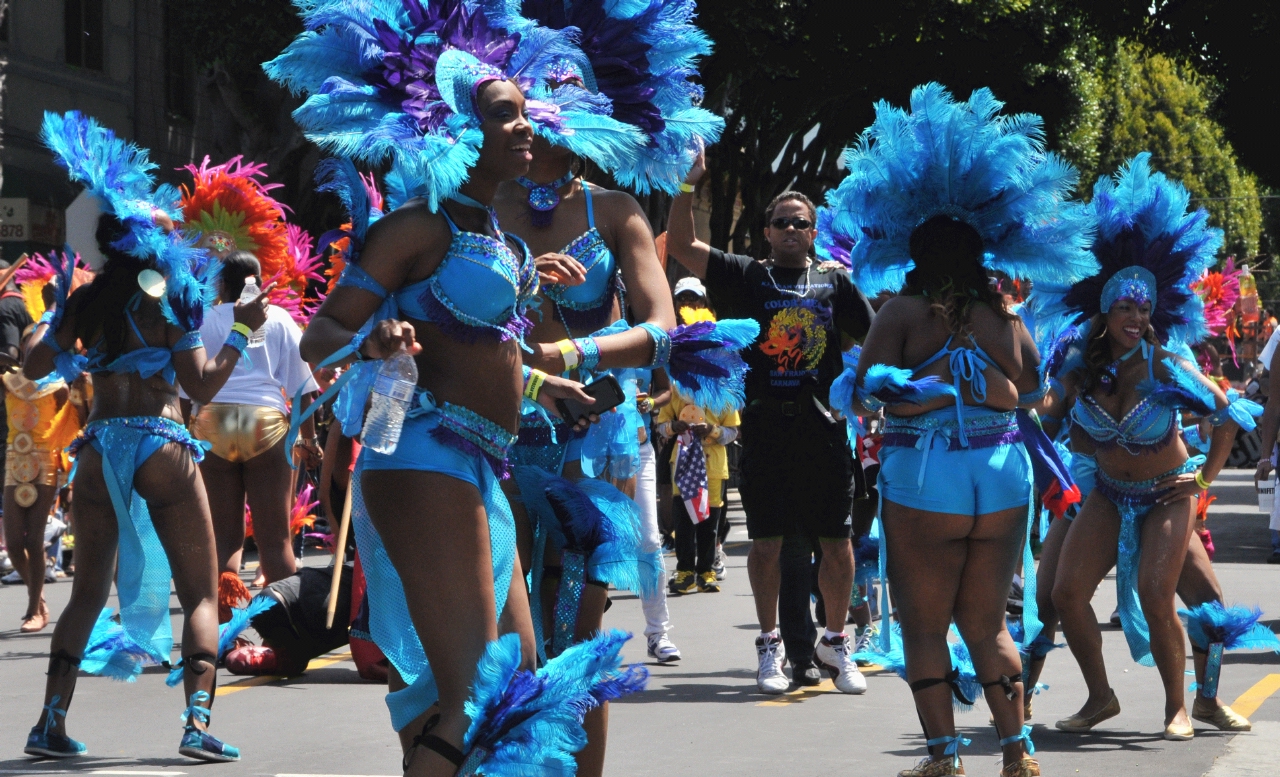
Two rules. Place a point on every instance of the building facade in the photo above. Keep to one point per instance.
(110, 59)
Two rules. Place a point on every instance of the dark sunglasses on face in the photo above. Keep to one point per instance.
(798, 222)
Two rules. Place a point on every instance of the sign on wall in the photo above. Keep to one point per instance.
(23, 221)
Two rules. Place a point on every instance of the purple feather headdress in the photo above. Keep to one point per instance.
(1145, 232)
(397, 79)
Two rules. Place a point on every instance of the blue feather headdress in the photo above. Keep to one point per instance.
(1145, 231)
(397, 79)
(118, 175)
(958, 159)
(642, 55)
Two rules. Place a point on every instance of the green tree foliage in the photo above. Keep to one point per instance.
(797, 80)
(1131, 100)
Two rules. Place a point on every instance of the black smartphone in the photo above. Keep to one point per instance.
(607, 393)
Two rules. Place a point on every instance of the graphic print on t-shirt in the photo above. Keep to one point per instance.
(795, 340)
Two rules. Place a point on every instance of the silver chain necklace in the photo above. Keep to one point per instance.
(804, 292)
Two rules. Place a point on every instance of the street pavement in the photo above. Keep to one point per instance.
(702, 716)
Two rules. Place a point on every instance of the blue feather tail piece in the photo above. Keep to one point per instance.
(110, 651)
(599, 521)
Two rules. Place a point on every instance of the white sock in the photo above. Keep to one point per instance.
(830, 635)
(1017, 579)
(767, 635)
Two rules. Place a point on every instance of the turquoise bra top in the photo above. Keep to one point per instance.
(589, 304)
(146, 361)
(1147, 427)
(481, 288)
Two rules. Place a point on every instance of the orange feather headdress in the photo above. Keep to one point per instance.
(230, 209)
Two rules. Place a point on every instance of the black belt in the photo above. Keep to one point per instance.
(787, 407)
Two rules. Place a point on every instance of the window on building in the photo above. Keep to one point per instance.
(83, 22)
(4, 21)
(179, 70)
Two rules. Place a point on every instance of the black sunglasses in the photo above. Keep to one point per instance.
(783, 222)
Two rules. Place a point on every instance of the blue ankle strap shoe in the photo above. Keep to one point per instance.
(43, 742)
(199, 744)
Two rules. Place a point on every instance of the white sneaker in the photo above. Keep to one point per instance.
(834, 655)
(769, 677)
(662, 649)
(864, 642)
(13, 578)
(717, 566)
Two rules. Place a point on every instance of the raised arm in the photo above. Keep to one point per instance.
(682, 243)
(201, 377)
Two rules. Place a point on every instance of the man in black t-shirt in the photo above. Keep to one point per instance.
(798, 474)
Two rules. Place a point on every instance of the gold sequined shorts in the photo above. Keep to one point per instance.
(239, 432)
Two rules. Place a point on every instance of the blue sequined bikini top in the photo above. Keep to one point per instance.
(147, 360)
(481, 288)
(1147, 427)
(589, 304)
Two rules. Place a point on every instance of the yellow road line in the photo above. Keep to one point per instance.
(1252, 699)
(253, 682)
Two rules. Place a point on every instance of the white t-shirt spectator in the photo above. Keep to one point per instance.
(1270, 350)
(271, 371)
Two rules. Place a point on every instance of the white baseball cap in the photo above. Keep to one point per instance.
(690, 285)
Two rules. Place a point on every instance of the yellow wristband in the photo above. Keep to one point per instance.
(536, 379)
(686, 188)
(242, 329)
(1201, 482)
(570, 353)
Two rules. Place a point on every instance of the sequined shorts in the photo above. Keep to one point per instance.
(451, 440)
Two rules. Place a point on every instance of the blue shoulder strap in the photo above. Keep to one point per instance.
(452, 227)
(591, 214)
(946, 349)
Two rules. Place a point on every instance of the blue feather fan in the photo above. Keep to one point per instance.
(602, 523)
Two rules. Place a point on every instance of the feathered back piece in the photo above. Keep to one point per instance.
(1146, 237)
(119, 175)
(964, 160)
(599, 521)
(228, 207)
(39, 271)
(642, 55)
(296, 277)
(1218, 291)
(397, 79)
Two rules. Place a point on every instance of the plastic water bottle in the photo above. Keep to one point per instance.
(250, 293)
(392, 394)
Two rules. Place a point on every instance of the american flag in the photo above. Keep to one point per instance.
(691, 476)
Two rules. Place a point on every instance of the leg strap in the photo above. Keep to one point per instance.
(952, 679)
(433, 743)
(207, 658)
(1005, 682)
(62, 659)
(952, 746)
(1024, 737)
(53, 712)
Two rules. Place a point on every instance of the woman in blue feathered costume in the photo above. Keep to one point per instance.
(1124, 391)
(439, 90)
(639, 58)
(139, 495)
(936, 198)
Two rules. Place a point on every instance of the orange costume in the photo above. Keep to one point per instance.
(39, 432)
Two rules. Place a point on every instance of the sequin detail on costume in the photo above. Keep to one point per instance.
(474, 250)
(160, 427)
(473, 434)
(568, 599)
